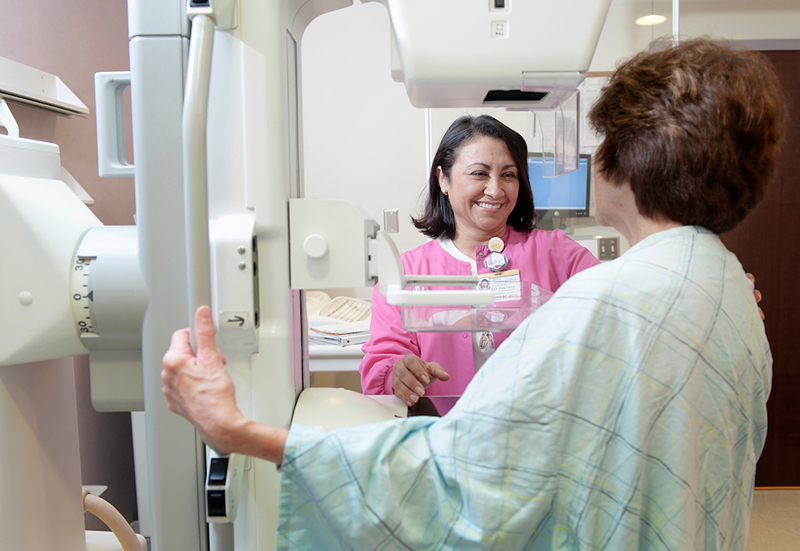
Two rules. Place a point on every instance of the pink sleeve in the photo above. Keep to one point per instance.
(388, 342)
(577, 258)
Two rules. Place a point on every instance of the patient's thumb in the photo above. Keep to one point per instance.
(204, 329)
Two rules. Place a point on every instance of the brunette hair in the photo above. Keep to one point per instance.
(694, 129)
(438, 220)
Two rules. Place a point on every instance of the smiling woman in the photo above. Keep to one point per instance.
(480, 215)
(482, 186)
(465, 137)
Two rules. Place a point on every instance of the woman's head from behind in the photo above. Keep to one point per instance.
(694, 129)
(438, 219)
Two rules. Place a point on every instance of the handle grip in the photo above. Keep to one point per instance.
(108, 88)
(195, 172)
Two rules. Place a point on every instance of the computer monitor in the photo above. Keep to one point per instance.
(565, 196)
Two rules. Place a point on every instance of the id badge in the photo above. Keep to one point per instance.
(505, 285)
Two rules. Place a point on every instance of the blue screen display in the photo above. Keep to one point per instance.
(566, 192)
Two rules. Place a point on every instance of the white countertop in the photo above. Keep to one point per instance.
(331, 351)
(326, 357)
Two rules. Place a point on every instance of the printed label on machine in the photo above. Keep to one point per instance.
(234, 320)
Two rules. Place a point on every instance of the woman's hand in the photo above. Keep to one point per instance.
(757, 293)
(412, 375)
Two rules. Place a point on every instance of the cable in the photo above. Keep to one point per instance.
(106, 512)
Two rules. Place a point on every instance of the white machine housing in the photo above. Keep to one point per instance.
(468, 53)
(41, 223)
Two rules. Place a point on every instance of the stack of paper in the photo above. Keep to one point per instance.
(323, 330)
(342, 321)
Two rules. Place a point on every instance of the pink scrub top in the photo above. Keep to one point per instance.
(547, 258)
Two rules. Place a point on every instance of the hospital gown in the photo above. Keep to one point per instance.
(627, 413)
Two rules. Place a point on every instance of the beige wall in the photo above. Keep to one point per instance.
(73, 40)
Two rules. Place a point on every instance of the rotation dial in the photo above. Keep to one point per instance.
(82, 298)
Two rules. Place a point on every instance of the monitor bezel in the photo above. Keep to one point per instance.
(545, 214)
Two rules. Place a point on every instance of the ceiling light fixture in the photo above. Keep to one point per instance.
(651, 19)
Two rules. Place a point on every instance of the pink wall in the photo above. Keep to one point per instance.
(73, 40)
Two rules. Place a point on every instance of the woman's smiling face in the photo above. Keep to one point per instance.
(482, 187)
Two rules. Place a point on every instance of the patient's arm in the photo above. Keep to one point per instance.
(200, 390)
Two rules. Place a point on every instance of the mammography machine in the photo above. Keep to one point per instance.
(221, 219)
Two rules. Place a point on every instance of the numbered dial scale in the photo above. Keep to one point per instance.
(82, 298)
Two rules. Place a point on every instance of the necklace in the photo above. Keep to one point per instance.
(485, 340)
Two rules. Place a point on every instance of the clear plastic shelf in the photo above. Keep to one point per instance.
(511, 307)
(558, 135)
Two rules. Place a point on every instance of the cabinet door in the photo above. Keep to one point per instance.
(768, 246)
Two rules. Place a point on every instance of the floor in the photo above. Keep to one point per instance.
(775, 521)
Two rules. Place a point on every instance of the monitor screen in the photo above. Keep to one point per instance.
(566, 196)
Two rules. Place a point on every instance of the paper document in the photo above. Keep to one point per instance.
(341, 321)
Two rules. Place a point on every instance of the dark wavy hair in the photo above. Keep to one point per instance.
(438, 220)
(694, 129)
